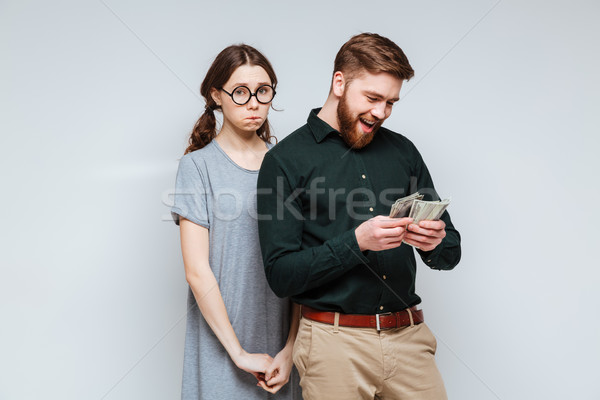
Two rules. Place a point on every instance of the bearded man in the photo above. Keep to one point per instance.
(323, 195)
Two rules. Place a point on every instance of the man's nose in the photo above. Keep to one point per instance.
(379, 110)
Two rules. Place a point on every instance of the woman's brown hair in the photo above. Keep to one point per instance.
(218, 74)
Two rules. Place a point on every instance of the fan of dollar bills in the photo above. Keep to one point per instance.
(415, 207)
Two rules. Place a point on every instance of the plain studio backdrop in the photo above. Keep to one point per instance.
(97, 100)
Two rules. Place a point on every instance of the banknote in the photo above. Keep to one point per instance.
(427, 210)
(401, 208)
(415, 207)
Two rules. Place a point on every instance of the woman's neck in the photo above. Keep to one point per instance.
(238, 140)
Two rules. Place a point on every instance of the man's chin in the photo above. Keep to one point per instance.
(358, 140)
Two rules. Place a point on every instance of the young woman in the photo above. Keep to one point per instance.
(235, 323)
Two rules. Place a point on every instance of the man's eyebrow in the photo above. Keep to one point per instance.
(379, 96)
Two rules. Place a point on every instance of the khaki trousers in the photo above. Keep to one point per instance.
(360, 363)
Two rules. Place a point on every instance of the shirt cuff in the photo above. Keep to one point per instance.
(430, 258)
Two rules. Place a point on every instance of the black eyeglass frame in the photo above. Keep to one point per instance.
(251, 94)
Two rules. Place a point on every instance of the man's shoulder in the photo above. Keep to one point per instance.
(392, 135)
(395, 139)
(300, 139)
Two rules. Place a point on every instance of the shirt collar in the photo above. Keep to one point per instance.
(319, 128)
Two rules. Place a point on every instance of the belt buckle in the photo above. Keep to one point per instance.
(377, 320)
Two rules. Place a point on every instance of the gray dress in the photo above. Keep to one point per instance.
(214, 192)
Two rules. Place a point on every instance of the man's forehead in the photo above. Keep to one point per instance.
(381, 84)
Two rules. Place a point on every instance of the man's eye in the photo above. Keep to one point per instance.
(371, 99)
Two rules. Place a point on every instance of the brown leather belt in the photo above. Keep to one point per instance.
(406, 317)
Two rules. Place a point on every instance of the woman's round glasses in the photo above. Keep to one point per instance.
(242, 94)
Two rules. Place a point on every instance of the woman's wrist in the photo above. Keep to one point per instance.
(237, 355)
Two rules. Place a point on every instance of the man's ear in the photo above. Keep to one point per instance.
(338, 84)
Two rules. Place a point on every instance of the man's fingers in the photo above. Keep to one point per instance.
(416, 243)
(270, 373)
(271, 388)
(392, 232)
(263, 385)
(416, 237)
(425, 243)
(275, 380)
(426, 232)
(437, 225)
(392, 244)
(387, 222)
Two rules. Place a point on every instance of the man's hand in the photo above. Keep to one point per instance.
(427, 235)
(278, 374)
(381, 233)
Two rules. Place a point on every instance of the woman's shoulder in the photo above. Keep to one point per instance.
(199, 157)
(197, 163)
(206, 151)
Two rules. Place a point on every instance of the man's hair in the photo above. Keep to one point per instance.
(373, 53)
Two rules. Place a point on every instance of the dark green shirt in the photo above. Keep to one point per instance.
(313, 191)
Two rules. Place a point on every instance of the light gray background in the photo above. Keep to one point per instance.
(97, 100)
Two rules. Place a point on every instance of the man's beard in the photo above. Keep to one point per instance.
(349, 127)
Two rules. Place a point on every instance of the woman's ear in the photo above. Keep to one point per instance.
(338, 84)
(216, 96)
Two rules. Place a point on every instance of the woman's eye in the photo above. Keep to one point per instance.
(240, 92)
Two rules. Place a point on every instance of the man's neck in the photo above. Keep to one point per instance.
(328, 112)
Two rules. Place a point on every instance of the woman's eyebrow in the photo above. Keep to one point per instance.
(247, 84)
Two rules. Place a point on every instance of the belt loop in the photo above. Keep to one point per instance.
(410, 316)
(336, 322)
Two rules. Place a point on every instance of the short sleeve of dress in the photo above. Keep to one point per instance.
(190, 198)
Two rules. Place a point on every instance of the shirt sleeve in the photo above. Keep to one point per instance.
(447, 254)
(190, 197)
(291, 270)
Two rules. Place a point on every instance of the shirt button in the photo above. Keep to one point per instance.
(364, 176)
(381, 307)
(428, 260)
(370, 208)
(384, 277)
